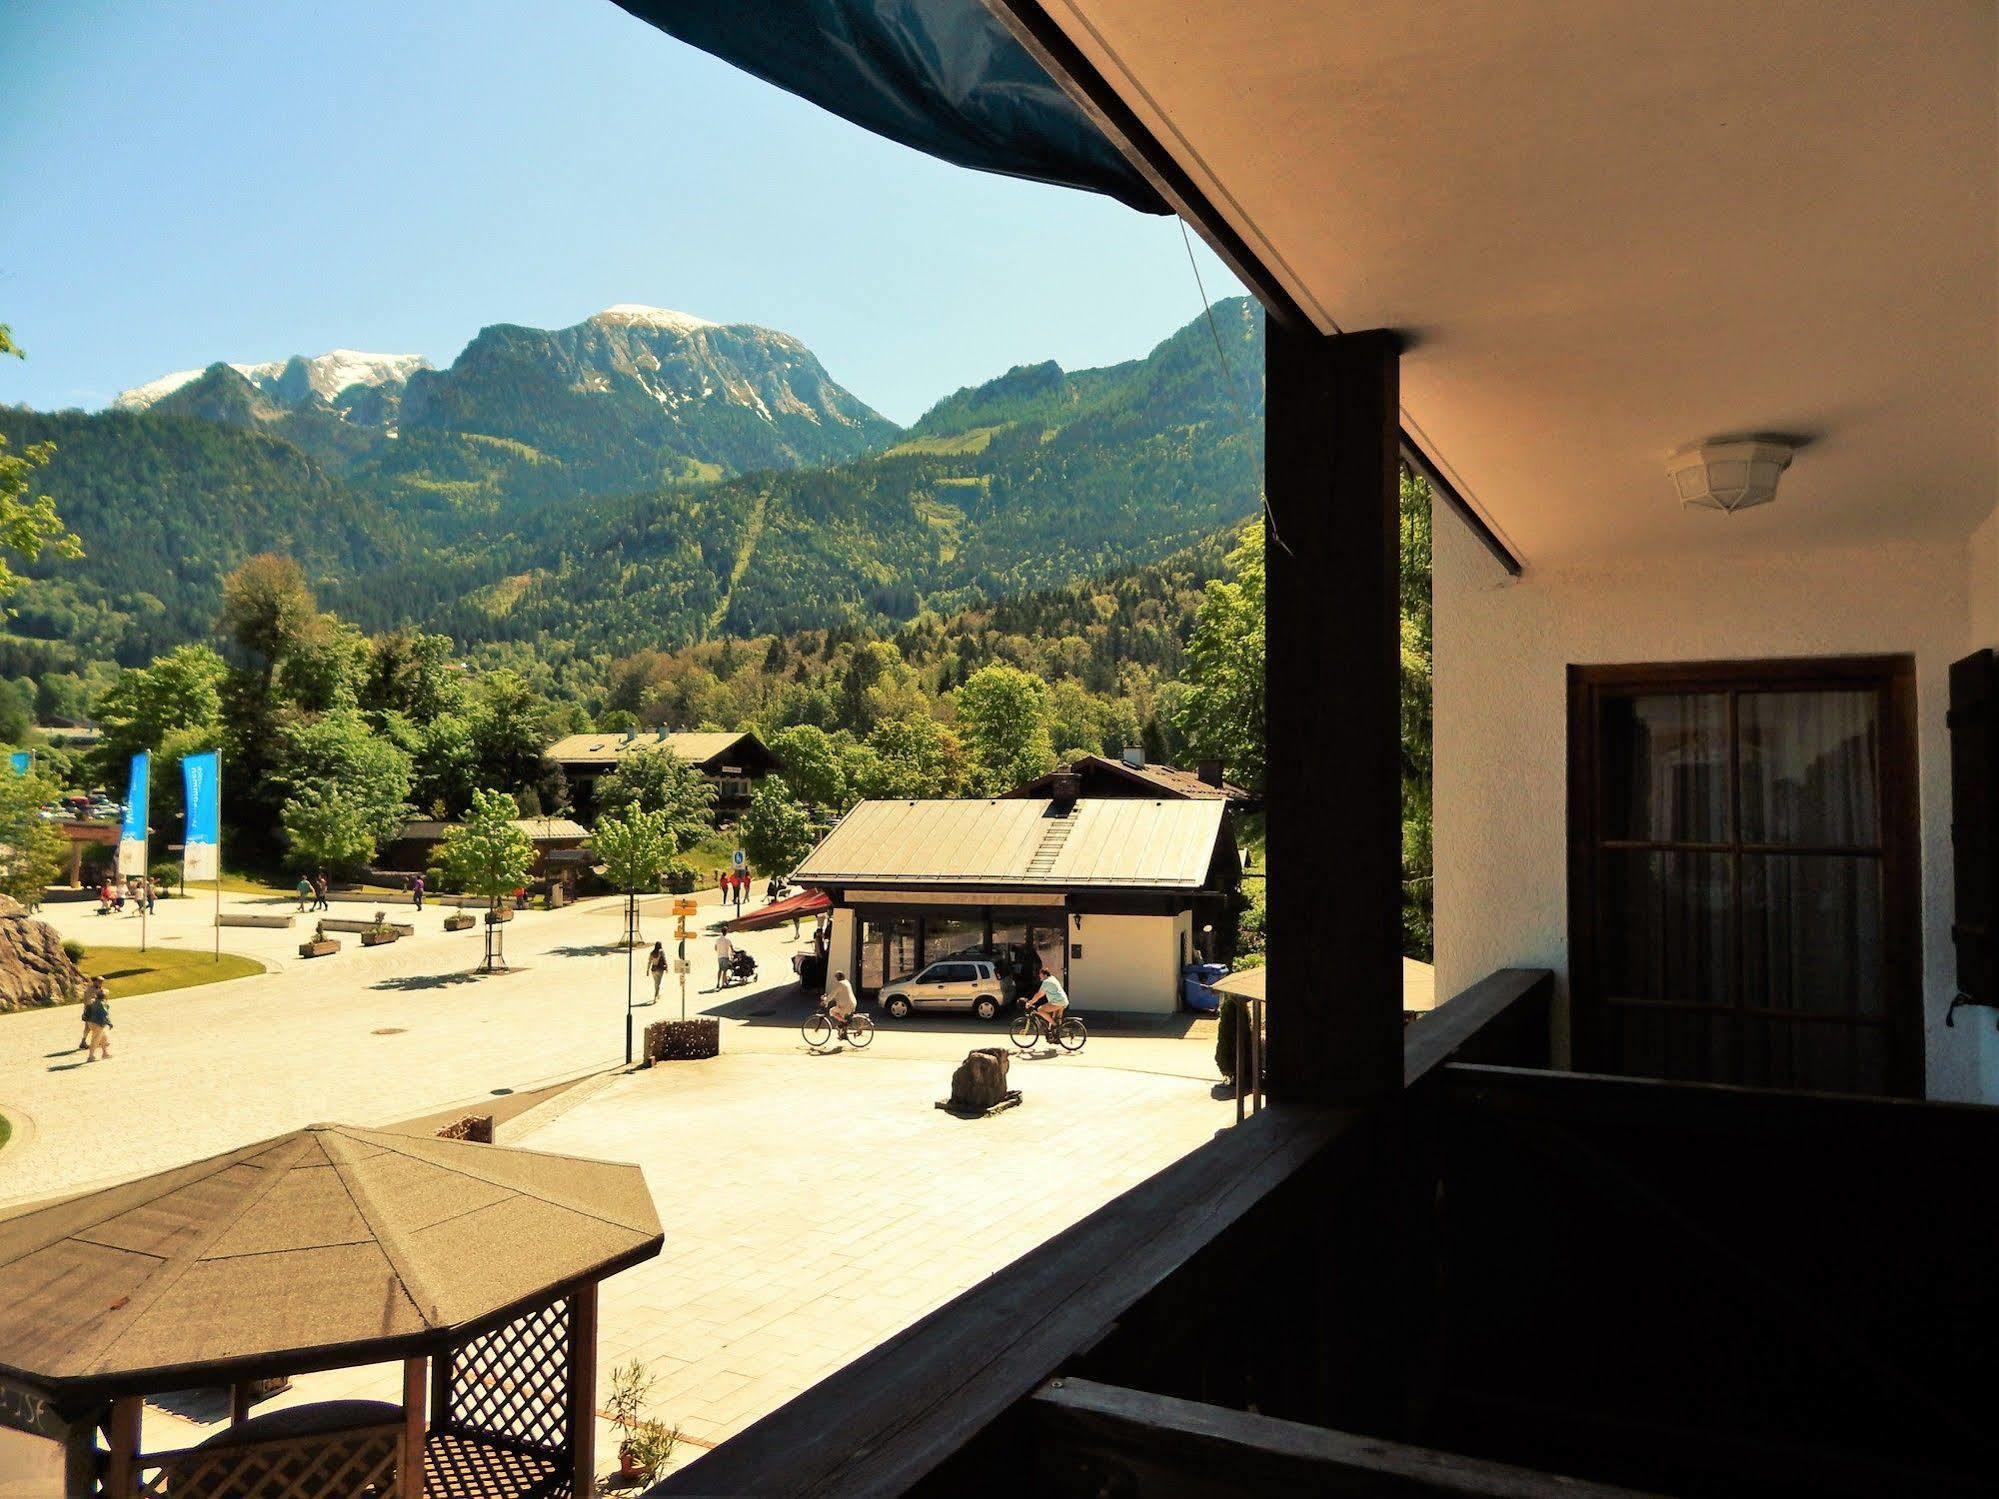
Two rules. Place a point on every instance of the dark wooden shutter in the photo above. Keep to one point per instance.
(1974, 838)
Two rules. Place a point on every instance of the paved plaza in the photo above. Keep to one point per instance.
(813, 1204)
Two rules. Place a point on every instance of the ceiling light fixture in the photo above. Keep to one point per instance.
(1730, 474)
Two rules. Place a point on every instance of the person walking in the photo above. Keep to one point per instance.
(725, 952)
(97, 1023)
(305, 893)
(152, 895)
(416, 891)
(656, 966)
(320, 886)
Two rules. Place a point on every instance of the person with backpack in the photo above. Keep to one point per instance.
(656, 966)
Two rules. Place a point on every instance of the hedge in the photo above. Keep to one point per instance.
(683, 1040)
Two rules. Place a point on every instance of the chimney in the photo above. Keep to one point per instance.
(1210, 772)
(1134, 756)
(1063, 789)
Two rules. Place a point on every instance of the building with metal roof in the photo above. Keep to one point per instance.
(1131, 774)
(732, 763)
(1114, 896)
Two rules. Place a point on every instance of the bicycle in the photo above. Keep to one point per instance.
(1030, 1028)
(820, 1028)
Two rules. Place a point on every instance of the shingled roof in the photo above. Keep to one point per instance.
(329, 1246)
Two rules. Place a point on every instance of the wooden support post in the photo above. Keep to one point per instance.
(440, 1390)
(121, 1467)
(1334, 781)
(409, 1471)
(583, 1391)
(239, 1402)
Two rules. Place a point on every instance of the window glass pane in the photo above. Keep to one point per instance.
(1665, 927)
(888, 950)
(1811, 933)
(1665, 766)
(1810, 767)
(952, 934)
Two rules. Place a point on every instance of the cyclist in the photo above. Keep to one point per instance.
(841, 1002)
(1050, 1002)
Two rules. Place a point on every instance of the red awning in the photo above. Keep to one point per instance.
(810, 903)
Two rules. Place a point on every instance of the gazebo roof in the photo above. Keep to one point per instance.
(329, 1246)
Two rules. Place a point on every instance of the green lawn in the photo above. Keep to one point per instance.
(127, 971)
(6, 1130)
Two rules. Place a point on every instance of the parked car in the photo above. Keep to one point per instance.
(949, 984)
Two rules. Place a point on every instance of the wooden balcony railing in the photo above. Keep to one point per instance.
(889, 1421)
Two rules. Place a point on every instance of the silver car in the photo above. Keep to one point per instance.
(949, 984)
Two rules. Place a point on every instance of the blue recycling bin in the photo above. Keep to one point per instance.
(1196, 986)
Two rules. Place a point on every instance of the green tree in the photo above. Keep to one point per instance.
(32, 849)
(1222, 712)
(812, 765)
(267, 609)
(28, 527)
(326, 828)
(180, 690)
(638, 848)
(485, 854)
(510, 731)
(340, 754)
(411, 672)
(326, 667)
(1003, 721)
(775, 830)
(914, 758)
(660, 781)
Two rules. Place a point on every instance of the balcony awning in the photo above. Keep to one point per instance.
(944, 76)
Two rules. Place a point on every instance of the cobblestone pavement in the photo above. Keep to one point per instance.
(813, 1205)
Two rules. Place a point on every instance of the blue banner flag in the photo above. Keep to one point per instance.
(201, 778)
(132, 837)
(23, 761)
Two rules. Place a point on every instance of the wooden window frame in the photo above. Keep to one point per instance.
(1894, 678)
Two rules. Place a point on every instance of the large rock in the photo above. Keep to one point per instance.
(34, 970)
(980, 1081)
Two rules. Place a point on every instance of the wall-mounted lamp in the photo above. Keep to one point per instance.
(1730, 474)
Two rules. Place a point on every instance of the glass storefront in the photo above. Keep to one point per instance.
(1017, 938)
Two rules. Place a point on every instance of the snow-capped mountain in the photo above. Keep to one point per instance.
(630, 398)
(291, 380)
(645, 393)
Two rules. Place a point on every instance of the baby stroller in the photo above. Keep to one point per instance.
(742, 967)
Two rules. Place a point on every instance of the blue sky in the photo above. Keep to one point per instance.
(249, 179)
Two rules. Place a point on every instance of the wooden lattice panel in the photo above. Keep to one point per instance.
(513, 1383)
(327, 1465)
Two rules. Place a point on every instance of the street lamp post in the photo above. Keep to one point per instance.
(631, 949)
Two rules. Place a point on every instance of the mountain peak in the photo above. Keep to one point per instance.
(292, 379)
(653, 317)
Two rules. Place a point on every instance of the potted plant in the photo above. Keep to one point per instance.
(630, 1384)
(647, 1450)
(321, 945)
(380, 934)
(458, 921)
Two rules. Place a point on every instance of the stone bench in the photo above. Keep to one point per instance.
(350, 924)
(233, 918)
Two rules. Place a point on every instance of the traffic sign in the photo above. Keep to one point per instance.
(739, 858)
(685, 907)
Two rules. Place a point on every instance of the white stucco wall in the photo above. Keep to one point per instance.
(841, 954)
(1502, 651)
(1129, 963)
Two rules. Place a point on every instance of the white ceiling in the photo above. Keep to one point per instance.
(1614, 227)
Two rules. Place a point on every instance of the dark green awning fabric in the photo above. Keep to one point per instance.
(944, 76)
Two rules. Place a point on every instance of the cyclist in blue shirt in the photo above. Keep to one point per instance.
(1051, 999)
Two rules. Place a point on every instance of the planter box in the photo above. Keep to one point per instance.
(324, 949)
(505, 913)
(458, 921)
(683, 1040)
(378, 939)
